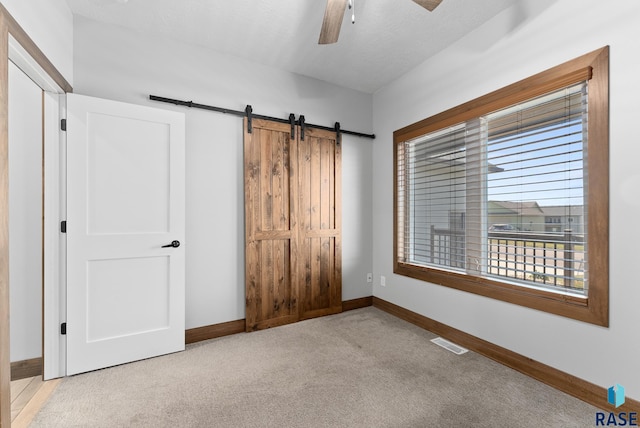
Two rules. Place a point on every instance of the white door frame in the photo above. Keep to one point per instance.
(54, 251)
(54, 346)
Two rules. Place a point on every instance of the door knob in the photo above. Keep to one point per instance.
(174, 244)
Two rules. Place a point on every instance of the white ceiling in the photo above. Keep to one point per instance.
(389, 38)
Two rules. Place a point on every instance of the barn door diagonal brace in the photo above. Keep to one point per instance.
(248, 113)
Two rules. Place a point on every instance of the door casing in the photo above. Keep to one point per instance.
(16, 45)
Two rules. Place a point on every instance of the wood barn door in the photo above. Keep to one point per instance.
(292, 217)
(270, 235)
(319, 232)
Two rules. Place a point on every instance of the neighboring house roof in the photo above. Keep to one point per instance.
(563, 210)
(514, 208)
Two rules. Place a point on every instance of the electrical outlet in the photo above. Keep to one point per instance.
(369, 277)
(383, 281)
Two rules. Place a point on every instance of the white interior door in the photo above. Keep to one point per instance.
(125, 204)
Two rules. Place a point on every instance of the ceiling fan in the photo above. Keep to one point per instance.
(334, 13)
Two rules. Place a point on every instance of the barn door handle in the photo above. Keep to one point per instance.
(174, 244)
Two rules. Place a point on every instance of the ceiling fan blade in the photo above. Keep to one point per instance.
(333, 16)
(428, 4)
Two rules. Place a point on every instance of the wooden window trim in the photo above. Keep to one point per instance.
(594, 67)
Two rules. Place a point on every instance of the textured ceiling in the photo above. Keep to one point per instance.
(388, 39)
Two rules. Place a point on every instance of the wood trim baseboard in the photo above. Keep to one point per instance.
(213, 331)
(362, 302)
(26, 368)
(569, 384)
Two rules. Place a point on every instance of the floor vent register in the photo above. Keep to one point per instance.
(458, 350)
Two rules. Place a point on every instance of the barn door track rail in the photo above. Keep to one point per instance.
(248, 113)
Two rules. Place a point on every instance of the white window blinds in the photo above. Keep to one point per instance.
(502, 195)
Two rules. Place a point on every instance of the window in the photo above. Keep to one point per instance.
(507, 196)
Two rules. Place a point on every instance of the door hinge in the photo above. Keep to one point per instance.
(63, 226)
(63, 328)
(63, 124)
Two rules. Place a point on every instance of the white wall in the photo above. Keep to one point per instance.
(49, 23)
(25, 215)
(520, 42)
(111, 62)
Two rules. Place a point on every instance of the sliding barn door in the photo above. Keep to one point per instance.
(271, 236)
(319, 254)
(292, 220)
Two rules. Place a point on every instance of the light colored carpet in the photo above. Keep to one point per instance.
(363, 368)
